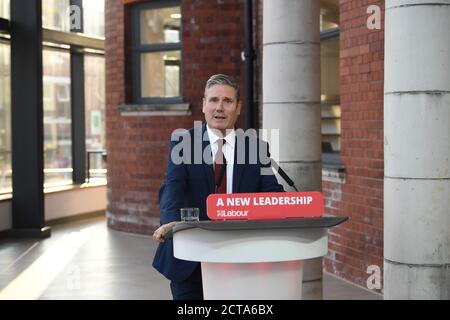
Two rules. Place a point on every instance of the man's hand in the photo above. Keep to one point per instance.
(159, 233)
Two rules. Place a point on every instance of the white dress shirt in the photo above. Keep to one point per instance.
(228, 152)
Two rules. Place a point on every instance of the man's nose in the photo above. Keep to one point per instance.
(220, 106)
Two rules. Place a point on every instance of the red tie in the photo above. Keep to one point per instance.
(219, 163)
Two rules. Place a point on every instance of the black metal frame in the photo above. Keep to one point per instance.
(330, 34)
(27, 129)
(77, 100)
(78, 116)
(138, 49)
(5, 25)
(88, 160)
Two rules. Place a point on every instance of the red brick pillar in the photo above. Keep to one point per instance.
(137, 146)
(358, 244)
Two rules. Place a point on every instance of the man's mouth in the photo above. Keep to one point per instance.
(219, 117)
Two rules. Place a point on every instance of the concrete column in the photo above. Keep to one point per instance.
(291, 100)
(417, 150)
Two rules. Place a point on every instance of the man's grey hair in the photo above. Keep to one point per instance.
(223, 80)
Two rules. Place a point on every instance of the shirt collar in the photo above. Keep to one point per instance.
(230, 138)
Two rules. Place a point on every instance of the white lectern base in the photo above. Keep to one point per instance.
(253, 281)
(251, 259)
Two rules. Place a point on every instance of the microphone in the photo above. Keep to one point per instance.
(283, 174)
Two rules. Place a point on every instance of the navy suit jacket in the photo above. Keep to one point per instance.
(188, 184)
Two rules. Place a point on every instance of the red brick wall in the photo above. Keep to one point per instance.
(213, 38)
(359, 243)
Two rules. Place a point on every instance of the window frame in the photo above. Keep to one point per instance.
(330, 157)
(56, 48)
(89, 150)
(138, 48)
(78, 46)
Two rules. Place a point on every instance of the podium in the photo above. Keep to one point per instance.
(252, 259)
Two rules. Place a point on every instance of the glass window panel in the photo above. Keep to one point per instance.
(94, 17)
(160, 25)
(329, 16)
(330, 86)
(4, 9)
(57, 118)
(160, 74)
(94, 72)
(5, 119)
(330, 65)
(56, 14)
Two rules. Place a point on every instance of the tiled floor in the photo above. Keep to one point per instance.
(86, 260)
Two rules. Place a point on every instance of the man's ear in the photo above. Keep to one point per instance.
(204, 104)
(239, 107)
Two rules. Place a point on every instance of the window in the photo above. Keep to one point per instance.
(60, 135)
(331, 109)
(330, 83)
(94, 17)
(5, 119)
(61, 15)
(55, 15)
(4, 9)
(57, 118)
(329, 16)
(94, 71)
(156, 41)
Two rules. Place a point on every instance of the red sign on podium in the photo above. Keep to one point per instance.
(265, 205)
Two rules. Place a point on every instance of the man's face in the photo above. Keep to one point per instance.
(221, 108)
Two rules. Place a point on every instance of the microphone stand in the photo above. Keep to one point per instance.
(283, 174)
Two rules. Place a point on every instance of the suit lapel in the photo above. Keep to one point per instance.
(238, 168)
(207, 159)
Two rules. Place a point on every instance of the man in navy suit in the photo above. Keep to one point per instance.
(195, 158)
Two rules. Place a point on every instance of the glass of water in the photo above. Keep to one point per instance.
(189, 214)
